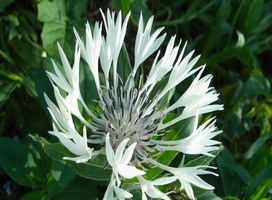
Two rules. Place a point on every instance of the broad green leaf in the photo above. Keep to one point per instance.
(63, 175)
(82, 189)
(53, 32)
(51, 11)
(19, 163)
(95, 169)
(76, 8)
(256, 85)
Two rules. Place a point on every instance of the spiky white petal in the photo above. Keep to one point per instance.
(114, 187)
(119, 160)
(188, 176)
(146, 44)
(148, 187)
(198, 142)
(91, 51)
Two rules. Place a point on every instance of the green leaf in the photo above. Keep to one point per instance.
(215, 30)
(246, 57)
(260, 185)
(82, 189)
(254, 14)
(19, 163)
(53, 32)
(95, 169)
(124, 66)
(257, 145)
(43, 86)
(203, 160)
(181, 129)
(233, 175)
(209, 196)
(51, 11)
(4, 4)
(36, 194)
(76, 8)
(28, 52)
(87, 84)
(256, 85)
(136, 8)
(221, 56)
(63, 175)
(230, 198)
(5, 91)
(123, 5)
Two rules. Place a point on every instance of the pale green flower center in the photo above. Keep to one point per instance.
(122, 115)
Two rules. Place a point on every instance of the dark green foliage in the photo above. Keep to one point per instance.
(234, 38)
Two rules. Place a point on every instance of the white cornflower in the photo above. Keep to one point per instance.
(128, 122)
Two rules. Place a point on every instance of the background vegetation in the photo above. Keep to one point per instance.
(234, 38)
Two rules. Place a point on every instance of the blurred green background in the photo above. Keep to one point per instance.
(234, 38)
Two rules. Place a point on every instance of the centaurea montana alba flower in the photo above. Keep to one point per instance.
(128, 123)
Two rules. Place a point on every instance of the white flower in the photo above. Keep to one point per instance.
(129, 120)
(148, 187)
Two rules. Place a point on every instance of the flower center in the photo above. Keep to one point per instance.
(122, 113)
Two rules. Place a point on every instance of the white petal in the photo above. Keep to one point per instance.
(120, 151)
(129, 171)
(164, 180)
(122, 194)
(109, 151)
(128, 154)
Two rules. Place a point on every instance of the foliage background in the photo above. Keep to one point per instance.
(235, 41)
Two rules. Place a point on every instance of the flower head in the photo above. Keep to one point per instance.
(128, 123)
